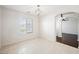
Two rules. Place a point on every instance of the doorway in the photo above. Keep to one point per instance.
(67, 28)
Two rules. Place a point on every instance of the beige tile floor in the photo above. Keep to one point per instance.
(39, 46)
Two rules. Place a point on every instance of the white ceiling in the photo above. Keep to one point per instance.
(45, 9)
(22, 8)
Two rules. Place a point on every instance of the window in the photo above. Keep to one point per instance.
(26, 25)
(29, 25)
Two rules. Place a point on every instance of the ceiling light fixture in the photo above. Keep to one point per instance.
(63, 18)
(37, 11)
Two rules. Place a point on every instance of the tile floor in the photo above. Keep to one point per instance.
(39, 46)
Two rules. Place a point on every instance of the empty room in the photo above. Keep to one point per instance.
(39, 29)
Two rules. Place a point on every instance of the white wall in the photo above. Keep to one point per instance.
(70, 26)
(48, 20)
(11, 32)
(47, 25)
(58, 26)
(0, 26)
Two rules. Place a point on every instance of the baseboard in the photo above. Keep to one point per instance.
(17, 42)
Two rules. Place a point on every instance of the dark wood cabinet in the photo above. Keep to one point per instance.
(69, 39)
